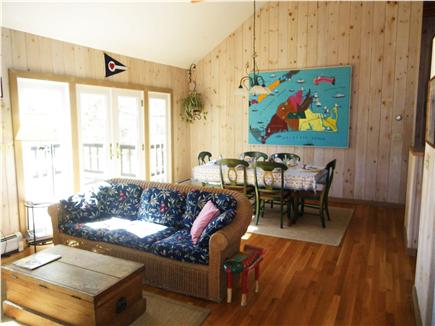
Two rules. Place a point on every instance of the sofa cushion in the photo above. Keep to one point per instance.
(133, 234)
(208, 212)
(82, 230)
(179, 246)
(162, 206)
(215, 225)
(197, 199)
(118, 199)
(80, 207)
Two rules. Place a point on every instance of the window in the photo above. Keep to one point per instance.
(45, 137)
(159, 122)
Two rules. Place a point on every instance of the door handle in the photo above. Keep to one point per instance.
(111, 151)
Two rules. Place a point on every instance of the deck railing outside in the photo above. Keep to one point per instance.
(158, 162)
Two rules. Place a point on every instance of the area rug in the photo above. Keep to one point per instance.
(307, 228)
(160, 311)
(164, 311)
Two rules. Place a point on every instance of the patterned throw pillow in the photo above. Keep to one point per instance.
(215, 225)
(197, 199)
(162, 206)
(119, 199)
(81, 207)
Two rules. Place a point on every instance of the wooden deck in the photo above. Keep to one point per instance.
(367, 280)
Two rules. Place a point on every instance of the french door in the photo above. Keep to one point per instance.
(159, 130)
(111, 133)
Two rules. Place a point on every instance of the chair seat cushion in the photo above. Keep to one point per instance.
(179, 246)
(162, 206)
(197, 199)
(133, 234)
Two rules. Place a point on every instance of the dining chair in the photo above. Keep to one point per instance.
(255, 156)
(318, 199)
(285, 157)
(234, 183)
(203, 156)
(272, 189)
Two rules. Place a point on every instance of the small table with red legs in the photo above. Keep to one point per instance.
(243, 262)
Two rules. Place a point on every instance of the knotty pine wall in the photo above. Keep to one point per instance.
(380, 40)
(25, 51)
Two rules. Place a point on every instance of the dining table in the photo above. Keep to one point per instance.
(297, 176)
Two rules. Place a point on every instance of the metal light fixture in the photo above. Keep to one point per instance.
(254, 83)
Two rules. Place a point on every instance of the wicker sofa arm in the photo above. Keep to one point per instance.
(54, 212)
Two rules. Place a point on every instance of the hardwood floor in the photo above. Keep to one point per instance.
(365, 281)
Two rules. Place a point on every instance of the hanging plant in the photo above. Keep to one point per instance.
(193, 105)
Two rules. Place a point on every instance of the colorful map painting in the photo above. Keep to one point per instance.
(308, 107)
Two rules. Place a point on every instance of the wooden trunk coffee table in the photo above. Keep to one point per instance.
(81, 288)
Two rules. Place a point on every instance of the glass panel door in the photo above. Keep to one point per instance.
(95, 145)
(129, 133)
(45, 137)
(159, 122)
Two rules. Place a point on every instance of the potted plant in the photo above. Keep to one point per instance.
(193, 105)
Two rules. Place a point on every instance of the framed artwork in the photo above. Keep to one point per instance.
(307, 107)
(430, 113)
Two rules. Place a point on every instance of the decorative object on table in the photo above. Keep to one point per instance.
(254, 156)
(430, 114)
(193, 105)
(254, 81)
(204, 157)
(288, 159)
(269, 192)
(34, 261)
(243, 262)
(113, 66)
(320, 196)
(307, 227)
(307, 107)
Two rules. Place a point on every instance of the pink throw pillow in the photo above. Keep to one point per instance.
(208, 212)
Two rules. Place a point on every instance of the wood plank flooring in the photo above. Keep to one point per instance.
(365, 281)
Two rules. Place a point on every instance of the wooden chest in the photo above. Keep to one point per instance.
(81, 288)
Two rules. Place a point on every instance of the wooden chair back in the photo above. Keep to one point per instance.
(256, 156)
(330, 167)
(285, 157)
(268, 168)
(232, 164)
(203, 156)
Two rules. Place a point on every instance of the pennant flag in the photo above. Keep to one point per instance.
(113, 66)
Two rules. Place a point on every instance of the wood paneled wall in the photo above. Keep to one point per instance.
(23, 51)
(380, 40)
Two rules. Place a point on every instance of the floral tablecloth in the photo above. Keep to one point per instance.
(295, 178)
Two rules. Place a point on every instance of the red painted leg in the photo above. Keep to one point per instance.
(244, 287)
(229, 286)
(257, 277)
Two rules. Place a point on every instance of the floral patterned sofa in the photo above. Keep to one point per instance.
(150, 223)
